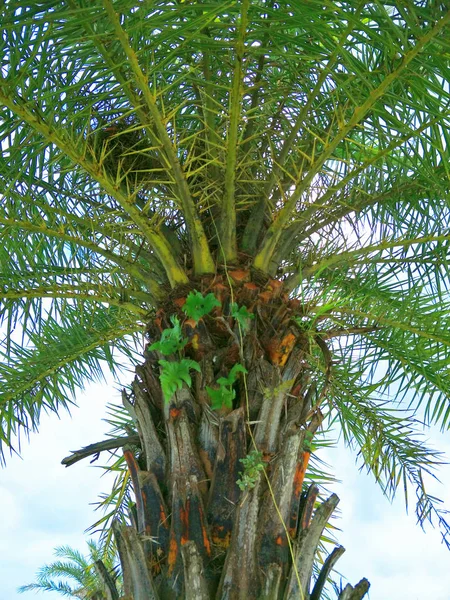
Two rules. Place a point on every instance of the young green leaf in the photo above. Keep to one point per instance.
(222, 397)
(307, 444)
(174, 374)
(242, 315)
(232, 375)
(172, 339)
(304, 323)
(225, 395)
(197, 305)
(253, 463)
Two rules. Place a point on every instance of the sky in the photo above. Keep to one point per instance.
(45, 505)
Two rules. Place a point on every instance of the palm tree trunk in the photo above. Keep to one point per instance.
(197, 533)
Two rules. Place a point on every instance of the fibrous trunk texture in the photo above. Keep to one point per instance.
(196, 533)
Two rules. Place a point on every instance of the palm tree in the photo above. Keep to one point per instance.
(85, 572)
(261, 188)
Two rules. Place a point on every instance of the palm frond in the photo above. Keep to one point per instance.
(76, 567)
(45, 374)
(390, 444)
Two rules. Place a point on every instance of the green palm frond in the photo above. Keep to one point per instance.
(45, 374)
(412, 336)
(397, 301)
(77, 568)
(47, 585)
(390, 443)
(117, 505)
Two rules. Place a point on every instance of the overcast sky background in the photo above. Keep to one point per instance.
(44, 505)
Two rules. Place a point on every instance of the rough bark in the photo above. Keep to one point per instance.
(328, 565)
(195, 583)
(240, 576)
(224, 492)
(305, 549)
(197, 533)
(107, 580)
(139, 578)
(98, 447)
(355, 593)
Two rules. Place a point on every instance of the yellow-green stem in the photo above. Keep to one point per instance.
(228, 214)
(175, 273)
(202, 258)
